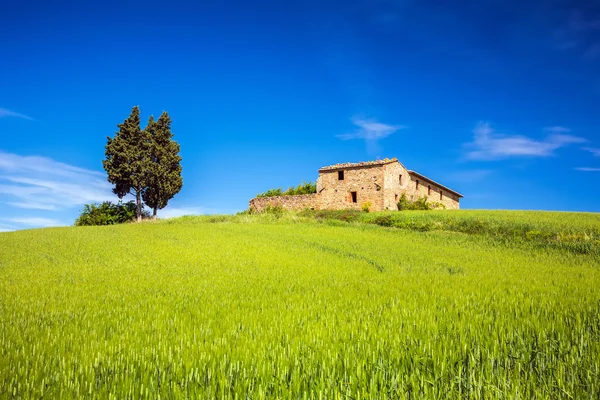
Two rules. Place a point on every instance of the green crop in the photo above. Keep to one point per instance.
(290, 306)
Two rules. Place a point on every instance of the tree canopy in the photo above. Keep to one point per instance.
(164, 170)
(144, 162)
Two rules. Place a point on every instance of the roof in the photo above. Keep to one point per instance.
(359, 164)
(434, 182)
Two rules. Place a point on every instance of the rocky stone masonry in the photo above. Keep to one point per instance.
(296, 202)
(350, 185)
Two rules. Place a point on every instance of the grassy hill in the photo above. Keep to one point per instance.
(469, 304)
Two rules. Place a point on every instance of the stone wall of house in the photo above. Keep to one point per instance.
(396, 181)
(296, 202)
(433, 192)
(336, 194)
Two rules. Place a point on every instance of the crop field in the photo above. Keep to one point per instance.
(410, 305)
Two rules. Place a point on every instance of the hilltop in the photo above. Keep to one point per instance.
(323, 304)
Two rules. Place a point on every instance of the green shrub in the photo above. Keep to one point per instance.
(341, 215)
(108, 213)
(303, 188)
(420, 204)
(437, 205)
(366, 206)
(276, 210)
(271, 193)
(403, 203)
(384, 220)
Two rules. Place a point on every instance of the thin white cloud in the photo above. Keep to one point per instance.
(14, 162)
(371, 131)
(592, 150)
(39, 192)
(34, 221)
(579, 33)
(7, 227)
(489, 145)
(557, 129)
(33, 206)
(8, 113)
(172, 212)
(32, 182)
(588, 169)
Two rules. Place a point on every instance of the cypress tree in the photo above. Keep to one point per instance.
(128, 158)
(165, 168)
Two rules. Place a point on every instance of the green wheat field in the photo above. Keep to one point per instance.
(339, 305)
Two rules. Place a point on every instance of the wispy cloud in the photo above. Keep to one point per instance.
(33, 206)
(557, 130)
(371, 131)
(35, 221)
(579, 32)
(33, 182)
(40, 192)
(489, 145)
(172, 212)
(6, 227)
(592, 150)
(588, 169)
(8, 113)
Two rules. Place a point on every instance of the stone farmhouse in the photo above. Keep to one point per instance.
(351, 185)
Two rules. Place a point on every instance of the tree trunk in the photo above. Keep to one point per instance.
(154, 214)
(138, 203)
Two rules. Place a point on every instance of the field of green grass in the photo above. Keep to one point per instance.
(468, 304)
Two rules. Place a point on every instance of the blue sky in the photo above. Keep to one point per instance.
(499, 100)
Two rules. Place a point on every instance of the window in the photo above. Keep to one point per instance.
(353, 195)
(441, 195)
(396, 198)
(400, 179)
(340, 175)
(428, 190)
(417, 185)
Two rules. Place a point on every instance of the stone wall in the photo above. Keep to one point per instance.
(296, 202)
(367, 182)
(432, 191)
(395, 183)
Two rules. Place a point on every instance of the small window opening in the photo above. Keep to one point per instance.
(417, 185)
(396, 197)
(441, 195)
(428, 190)
(340, 175)
(353, 194)
(400, 179)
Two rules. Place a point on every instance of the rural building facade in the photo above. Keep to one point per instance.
(351, 185)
